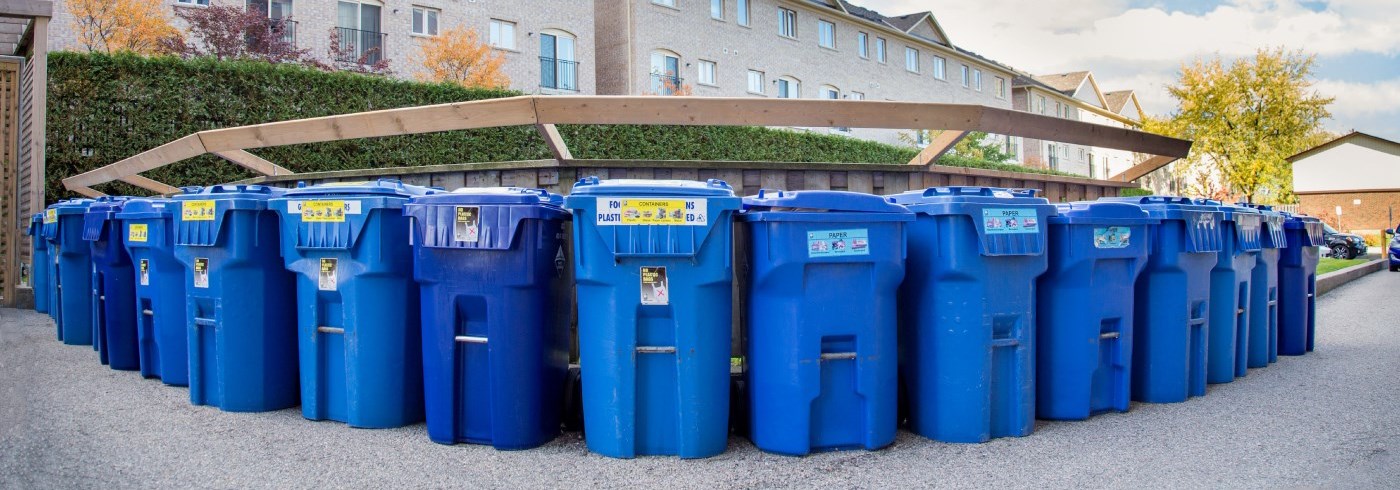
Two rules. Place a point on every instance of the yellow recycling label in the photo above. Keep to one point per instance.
(323, 211)
(50, 216)
(651, 211)
(136, 232)
(197, 211)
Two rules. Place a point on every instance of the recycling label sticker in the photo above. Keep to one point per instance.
(145, 272)
(201, 272)
(466, 225)
(136, 232)
(328, 280)
(323, 211)
(197, 211)
(653, 211)
(1006, 221)
(656, 288)
(1112, 237)
(50, 216)
(837, 243)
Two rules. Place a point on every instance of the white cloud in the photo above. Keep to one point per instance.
(1356, 99)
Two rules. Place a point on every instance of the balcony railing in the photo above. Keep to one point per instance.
(665, 84)
(558, 74)
(357, 46)
(283, 37)
(286, 27)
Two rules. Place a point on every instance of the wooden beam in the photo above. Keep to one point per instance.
(253, 162)
(1146, 167)
(936, 148)
(160, 156)
(86, 192)
(554, 141)
(1049, 128)
(26, 8)
(512, 111)
(150, 185)
(734, 111)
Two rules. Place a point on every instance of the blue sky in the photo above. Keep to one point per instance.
(1141, 44)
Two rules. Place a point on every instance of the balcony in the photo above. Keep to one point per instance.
(665, 84)
(357, 46)
(558, 74)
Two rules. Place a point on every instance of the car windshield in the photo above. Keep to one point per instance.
(1329, 229)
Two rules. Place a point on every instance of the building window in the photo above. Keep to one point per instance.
(789, 88)
(880, 49)
(666, 3)
(707, 72)
(1081, 154)
(425, 21)
(502, 34)
(977, 79)
(717, 9)
(863, 44)
(857, 95)
(1040, 100)
(558, 65)
(1054, 158)
(966, 76)
(1059, 110)
(665, 72)
(755, 82)
(787, 23)
(829, 92)
(359, 34)
(940, 68)
(911, 59)
(194, 2)
(1000, 84)
(826, 34)
(741, 12)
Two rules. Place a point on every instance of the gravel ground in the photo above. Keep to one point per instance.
(1329, 419)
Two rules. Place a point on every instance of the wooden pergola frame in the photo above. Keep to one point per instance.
(544, 112)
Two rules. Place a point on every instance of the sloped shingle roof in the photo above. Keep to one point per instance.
(1117, 100)
(1065, 83)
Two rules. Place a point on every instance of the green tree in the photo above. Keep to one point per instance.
(1245, 119)
(976, 145)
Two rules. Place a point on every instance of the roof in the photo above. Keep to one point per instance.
(863, 13)
(906, 23)
(1386, 145)
(1065, 83)
(1116, 100)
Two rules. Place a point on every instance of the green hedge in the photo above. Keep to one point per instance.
(103, 108)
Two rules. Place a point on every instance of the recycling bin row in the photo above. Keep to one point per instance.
(382, 304)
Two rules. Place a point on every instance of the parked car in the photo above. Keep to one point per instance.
(1393, 253)
(1343, 245)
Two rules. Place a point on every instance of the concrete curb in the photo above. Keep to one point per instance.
(1333, 280)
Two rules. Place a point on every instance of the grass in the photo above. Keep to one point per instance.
(1328, 264)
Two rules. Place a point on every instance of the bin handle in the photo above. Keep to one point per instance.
(966, 190)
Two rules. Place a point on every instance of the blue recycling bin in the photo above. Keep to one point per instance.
(496, 313)
(654, 272)
(1228, 343)
(71, 271)
(39, 263)
(1084, 341)
(113, 297)
(357, 306)
(159, 280)
(967, 311)
(822, 353)
(1297, 284)
(1172, 299)
(241, 308)
(1263, 295)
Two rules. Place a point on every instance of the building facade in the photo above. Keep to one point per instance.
(1076, 96)
(1352, 182)
(547, 45)
(789, 49)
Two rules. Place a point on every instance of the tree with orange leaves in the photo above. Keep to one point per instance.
(121, 25)
(458, 56)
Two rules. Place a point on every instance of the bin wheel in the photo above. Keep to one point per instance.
(573, 401)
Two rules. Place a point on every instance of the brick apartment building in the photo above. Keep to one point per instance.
(548, 45)
(1358, 174)
(715, 48)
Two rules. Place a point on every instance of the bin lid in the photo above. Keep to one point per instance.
(1271, 225)
(780, 205)
(493, 195)
(1310, 226)
(381, 187)
(1101, 213)
(145, 208)
(36, 225)
(1163, 207)
(71, 206)
(1229, 211)
(965, 194)
(103, 210)
(592, 186)
(229, 192)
